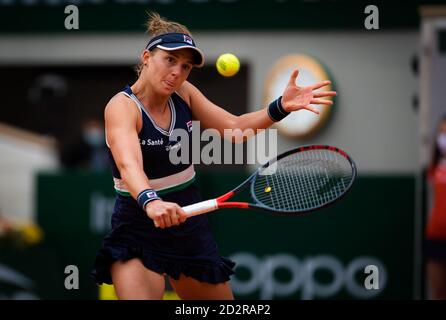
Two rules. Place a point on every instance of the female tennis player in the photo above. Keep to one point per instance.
(151, 236)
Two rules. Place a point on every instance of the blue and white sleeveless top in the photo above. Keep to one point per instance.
(164, 176)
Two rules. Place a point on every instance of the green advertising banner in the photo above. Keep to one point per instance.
(130, 15)
(319, 256)
(324, 255)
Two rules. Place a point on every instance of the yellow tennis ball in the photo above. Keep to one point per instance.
(228, 64)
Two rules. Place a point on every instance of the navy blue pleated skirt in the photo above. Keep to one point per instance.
(188, 249)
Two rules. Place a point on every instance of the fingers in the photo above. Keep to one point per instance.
(321, 94)
(293, 78)
(159, 222)
(174, 217)
(320, 84)
(167, 220)
(182, 214)
(321, 101)
(170, 215)
(311, 109)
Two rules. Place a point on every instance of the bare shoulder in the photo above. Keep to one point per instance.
(121, 106)
(118, 101)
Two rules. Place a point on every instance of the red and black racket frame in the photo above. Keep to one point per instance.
(261, 207)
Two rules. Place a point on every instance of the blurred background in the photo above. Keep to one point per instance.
(56, 188)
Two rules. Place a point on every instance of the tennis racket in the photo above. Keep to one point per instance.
(294, 183)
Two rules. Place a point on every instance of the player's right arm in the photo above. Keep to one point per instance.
(121, 126)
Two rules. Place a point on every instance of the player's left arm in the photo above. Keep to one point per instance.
(212, 116)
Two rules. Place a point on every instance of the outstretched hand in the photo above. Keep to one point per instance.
(296, 98)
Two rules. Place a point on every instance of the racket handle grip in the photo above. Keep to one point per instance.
(199, 208)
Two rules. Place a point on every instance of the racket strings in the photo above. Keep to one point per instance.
(304, 180)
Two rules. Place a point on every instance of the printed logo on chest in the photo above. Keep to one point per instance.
(150, 142)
